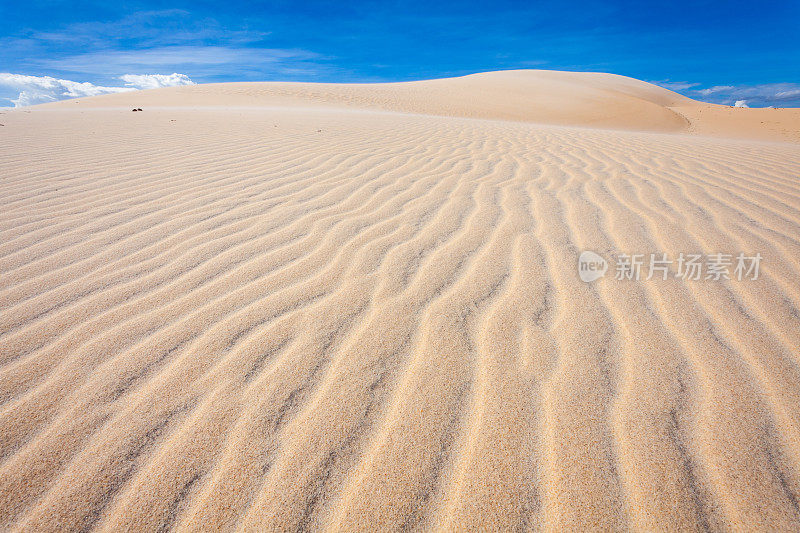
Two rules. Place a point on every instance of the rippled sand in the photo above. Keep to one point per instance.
(291, 307)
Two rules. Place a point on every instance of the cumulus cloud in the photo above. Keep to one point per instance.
(740, 103)
(42, 89)
(155, 81)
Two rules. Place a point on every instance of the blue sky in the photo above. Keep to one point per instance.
(715, 51)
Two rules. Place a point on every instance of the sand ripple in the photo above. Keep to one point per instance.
(299, 319)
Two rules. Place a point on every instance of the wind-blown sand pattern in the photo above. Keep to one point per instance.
(294, 307)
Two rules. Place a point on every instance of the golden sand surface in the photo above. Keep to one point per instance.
(275, 307)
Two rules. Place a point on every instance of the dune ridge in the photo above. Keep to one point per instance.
(303, 317)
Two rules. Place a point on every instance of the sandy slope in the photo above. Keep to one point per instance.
(306, 311)
(550, 97)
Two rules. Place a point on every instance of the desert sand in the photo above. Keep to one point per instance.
(284, 306)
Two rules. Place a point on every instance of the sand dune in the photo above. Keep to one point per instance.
(302, 307)
(586, 99)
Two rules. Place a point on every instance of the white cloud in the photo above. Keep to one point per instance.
(785, 94)
(715, 89)
(202, 60)
(155, 81)
(42, 89)
(778, 94)
(675, 85)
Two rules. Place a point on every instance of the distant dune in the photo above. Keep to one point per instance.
(587, 99)
(283, 306)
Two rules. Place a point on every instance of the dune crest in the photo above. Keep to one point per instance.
(281, 307)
